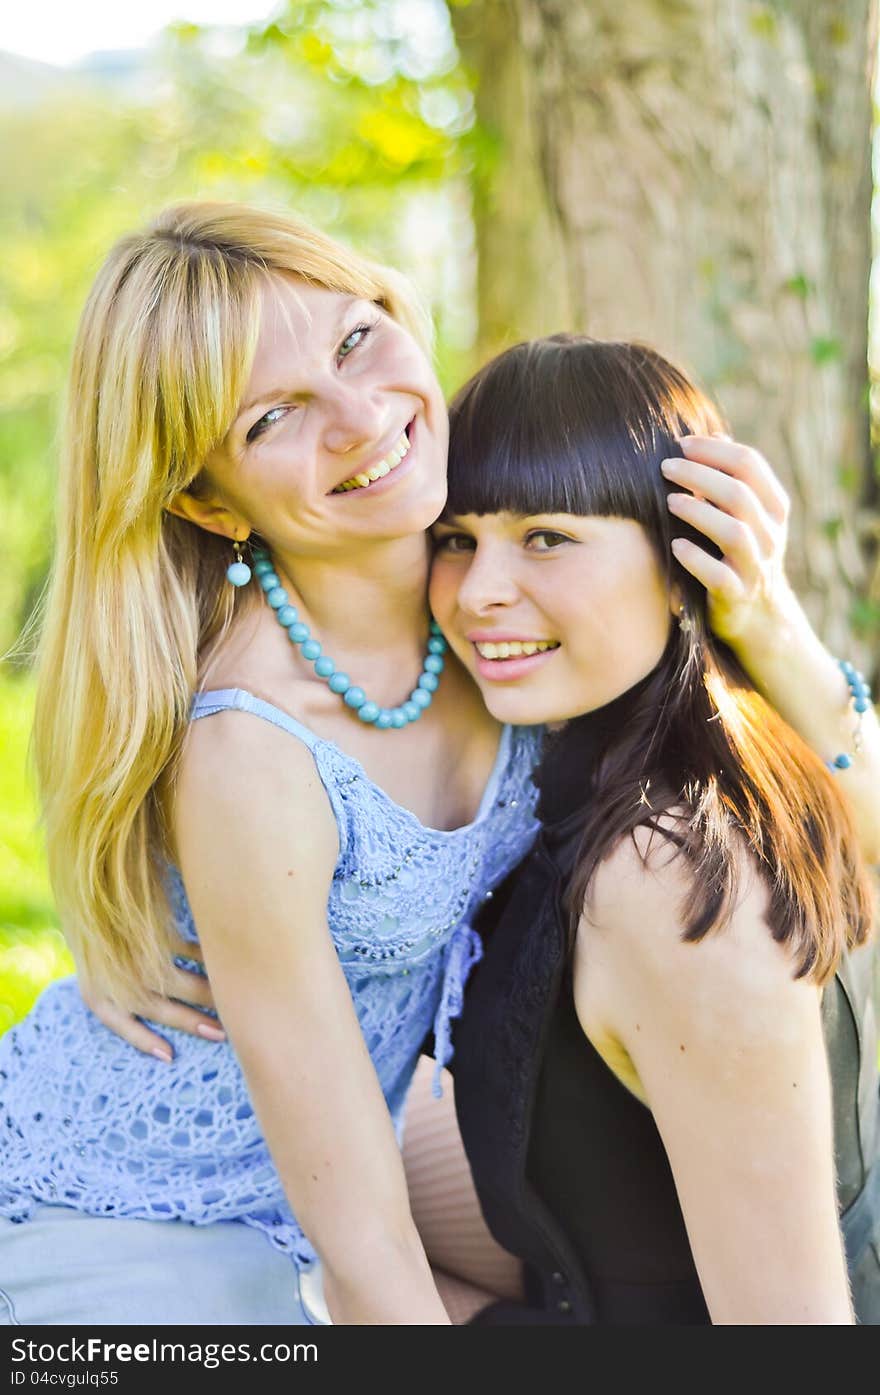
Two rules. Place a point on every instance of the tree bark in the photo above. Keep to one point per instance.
(696, 173)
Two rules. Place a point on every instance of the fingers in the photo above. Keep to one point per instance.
(170, 1013)
(719, 580)
(192, 988)
(737, 499)
(736, 539)
(742, 463)
(186, 949)
(130, 1029)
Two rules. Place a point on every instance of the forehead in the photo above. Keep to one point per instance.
(296, 313)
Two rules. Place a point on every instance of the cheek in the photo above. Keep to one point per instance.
(443, 587)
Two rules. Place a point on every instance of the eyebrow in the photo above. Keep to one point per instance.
(277, 394)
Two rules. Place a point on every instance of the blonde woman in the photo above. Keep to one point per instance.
(244, 388)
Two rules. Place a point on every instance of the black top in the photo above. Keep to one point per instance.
(570, 1169)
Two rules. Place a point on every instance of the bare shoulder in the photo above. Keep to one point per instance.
(242, 779)
(632, 927)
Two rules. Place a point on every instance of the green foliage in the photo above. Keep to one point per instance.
(32, 950)
(764, 23)
(799, 285)
(825, 349)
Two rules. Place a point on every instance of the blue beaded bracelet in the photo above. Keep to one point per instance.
(860, 696)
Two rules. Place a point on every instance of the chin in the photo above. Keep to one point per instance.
(524, 709)
(424, 504)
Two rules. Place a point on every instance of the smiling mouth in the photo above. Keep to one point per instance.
(397, 453)
(514, 649)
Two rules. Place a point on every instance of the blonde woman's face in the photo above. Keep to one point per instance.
(341, 434)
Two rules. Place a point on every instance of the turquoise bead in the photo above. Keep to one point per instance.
(843, 762)
(238, 574)
(385, 718)
(862, 704)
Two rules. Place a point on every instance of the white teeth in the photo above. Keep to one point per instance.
(379, 471)
(514, 648)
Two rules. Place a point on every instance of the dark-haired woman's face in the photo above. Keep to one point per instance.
(554, 615)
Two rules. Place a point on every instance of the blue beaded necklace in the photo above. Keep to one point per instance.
(385, 718)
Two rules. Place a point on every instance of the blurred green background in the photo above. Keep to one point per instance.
(532, 167)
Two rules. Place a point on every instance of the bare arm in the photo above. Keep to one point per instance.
(258, 844)
(726, 1049)
(736, 500)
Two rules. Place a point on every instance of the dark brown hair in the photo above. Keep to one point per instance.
(575, 425)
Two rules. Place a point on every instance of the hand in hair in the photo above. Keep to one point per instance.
(186, 1012)
(736, 500)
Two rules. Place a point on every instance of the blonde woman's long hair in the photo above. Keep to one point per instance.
(137, 594)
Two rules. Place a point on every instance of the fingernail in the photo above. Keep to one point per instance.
(161, 1055)
(669, 466)
(212, 1033)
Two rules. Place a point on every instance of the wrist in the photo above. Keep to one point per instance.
(775, 627)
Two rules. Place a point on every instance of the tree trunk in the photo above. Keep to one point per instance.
(696, 173)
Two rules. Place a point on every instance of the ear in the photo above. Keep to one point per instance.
(676, 600)
(214, 517)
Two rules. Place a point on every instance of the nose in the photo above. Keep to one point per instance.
(354, 417)
(489, 584)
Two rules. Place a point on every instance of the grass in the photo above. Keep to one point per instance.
(32, 948)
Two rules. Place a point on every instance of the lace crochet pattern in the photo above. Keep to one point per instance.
(92, 1123)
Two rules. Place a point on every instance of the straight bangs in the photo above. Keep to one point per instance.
(571, 425)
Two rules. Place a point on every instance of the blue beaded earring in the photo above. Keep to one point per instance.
(238, 573)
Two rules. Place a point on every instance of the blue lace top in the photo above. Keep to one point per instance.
(92, 1123)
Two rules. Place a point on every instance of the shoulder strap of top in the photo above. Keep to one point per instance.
(223, 699)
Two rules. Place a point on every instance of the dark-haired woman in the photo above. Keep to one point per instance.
(666, 1072)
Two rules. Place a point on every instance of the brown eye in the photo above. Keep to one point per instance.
(453, 542)
(553, 540)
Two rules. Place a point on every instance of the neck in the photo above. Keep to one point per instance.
(366, 603)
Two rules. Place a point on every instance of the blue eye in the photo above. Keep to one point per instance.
(352, 340)
(265, 421)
